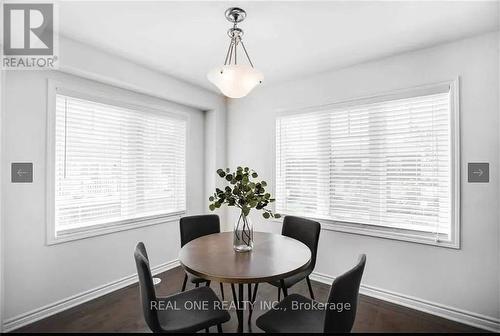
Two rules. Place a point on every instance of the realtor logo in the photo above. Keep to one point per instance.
(28, 36)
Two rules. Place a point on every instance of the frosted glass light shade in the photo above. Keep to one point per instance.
(235, 81)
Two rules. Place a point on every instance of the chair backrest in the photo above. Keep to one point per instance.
(193, 227)
(146, 287)
(304, 230)
(343, 299)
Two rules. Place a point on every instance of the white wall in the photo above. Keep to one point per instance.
(38, 278)
(498, 247)
(2, 236)
(465, 279)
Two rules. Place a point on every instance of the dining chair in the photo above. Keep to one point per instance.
(192, 227)
(307, 232)
(168, 314)
(296, 313)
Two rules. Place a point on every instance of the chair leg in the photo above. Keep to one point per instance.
(279, 294)
(285, 290)
(249, 293)
(252, 301)
(207, 330)
(238, 299)
(184, 282)
(207, 284)
(254, 296)
(197, 285)
(219, 327)
(240, 306)
(234, 291)
(310, 287)
(249, 299)
(221, 290)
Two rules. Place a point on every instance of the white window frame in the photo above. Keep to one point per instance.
(78, 90)
(454, 241)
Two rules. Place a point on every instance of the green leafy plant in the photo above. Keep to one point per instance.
(243, 191)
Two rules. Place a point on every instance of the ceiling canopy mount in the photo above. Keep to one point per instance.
(235, 14)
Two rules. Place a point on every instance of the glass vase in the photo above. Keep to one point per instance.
(243, 234)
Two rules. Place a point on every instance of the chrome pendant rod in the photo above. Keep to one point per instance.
(235, 49)
(246, 53)
(232, 55)
(228, 52)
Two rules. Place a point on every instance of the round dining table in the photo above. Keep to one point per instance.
(273, 258)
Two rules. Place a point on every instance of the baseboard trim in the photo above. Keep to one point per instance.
(72, 301)
(447, 312)
(450, 313)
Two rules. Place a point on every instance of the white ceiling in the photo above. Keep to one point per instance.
(285, 40)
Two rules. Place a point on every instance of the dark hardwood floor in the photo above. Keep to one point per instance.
(120, 312)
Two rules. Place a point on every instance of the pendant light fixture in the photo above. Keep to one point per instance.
(233, 79)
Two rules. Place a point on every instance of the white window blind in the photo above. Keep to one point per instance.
(115, 164)
(385, 164)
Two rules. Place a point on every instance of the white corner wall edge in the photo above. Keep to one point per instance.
(450, 313)
(75, 300)
(2, 231)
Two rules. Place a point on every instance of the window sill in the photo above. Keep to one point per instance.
(385, 232)
(107, 228)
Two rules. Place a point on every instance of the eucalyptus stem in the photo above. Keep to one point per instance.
(237, 227)
(246, 231)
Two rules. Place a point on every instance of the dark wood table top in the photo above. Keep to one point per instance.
(273, 257)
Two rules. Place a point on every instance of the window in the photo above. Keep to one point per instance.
(385, 166)
(115, 165)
